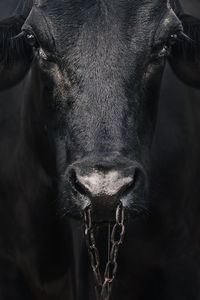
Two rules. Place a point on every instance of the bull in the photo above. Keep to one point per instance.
(82, 126)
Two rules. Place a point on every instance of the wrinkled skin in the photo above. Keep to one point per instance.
(90, 102)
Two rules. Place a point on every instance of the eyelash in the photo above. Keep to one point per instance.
(32, 41)
(163, 48)
(165, 51)
(25, 34)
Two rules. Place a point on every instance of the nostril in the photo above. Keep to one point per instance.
(108, 185)
(127, 189)
(132, 185)
(76, 184)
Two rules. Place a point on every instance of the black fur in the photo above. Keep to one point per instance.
(90, 104)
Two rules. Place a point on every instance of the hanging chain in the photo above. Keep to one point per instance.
(103, 288)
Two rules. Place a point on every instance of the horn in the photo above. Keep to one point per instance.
(23, 8)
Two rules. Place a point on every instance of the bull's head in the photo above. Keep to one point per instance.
(95, 70)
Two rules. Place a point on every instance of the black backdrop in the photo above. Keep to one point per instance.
(6, 7)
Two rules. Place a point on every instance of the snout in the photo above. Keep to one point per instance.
(104, 184)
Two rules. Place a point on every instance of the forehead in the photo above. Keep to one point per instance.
(72, 5)
(62, 13)
(103, 21)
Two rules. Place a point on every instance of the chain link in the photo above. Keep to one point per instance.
(103, 288)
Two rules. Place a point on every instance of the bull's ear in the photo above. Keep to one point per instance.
(185, 55)
(15, 54)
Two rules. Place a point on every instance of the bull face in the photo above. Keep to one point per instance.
(100, 65)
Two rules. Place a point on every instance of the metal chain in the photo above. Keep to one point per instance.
(103, 288)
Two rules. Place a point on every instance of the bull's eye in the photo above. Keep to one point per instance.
(166, 46)
(173, 39)
(30, 39)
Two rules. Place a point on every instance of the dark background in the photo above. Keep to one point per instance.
(6, 7)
